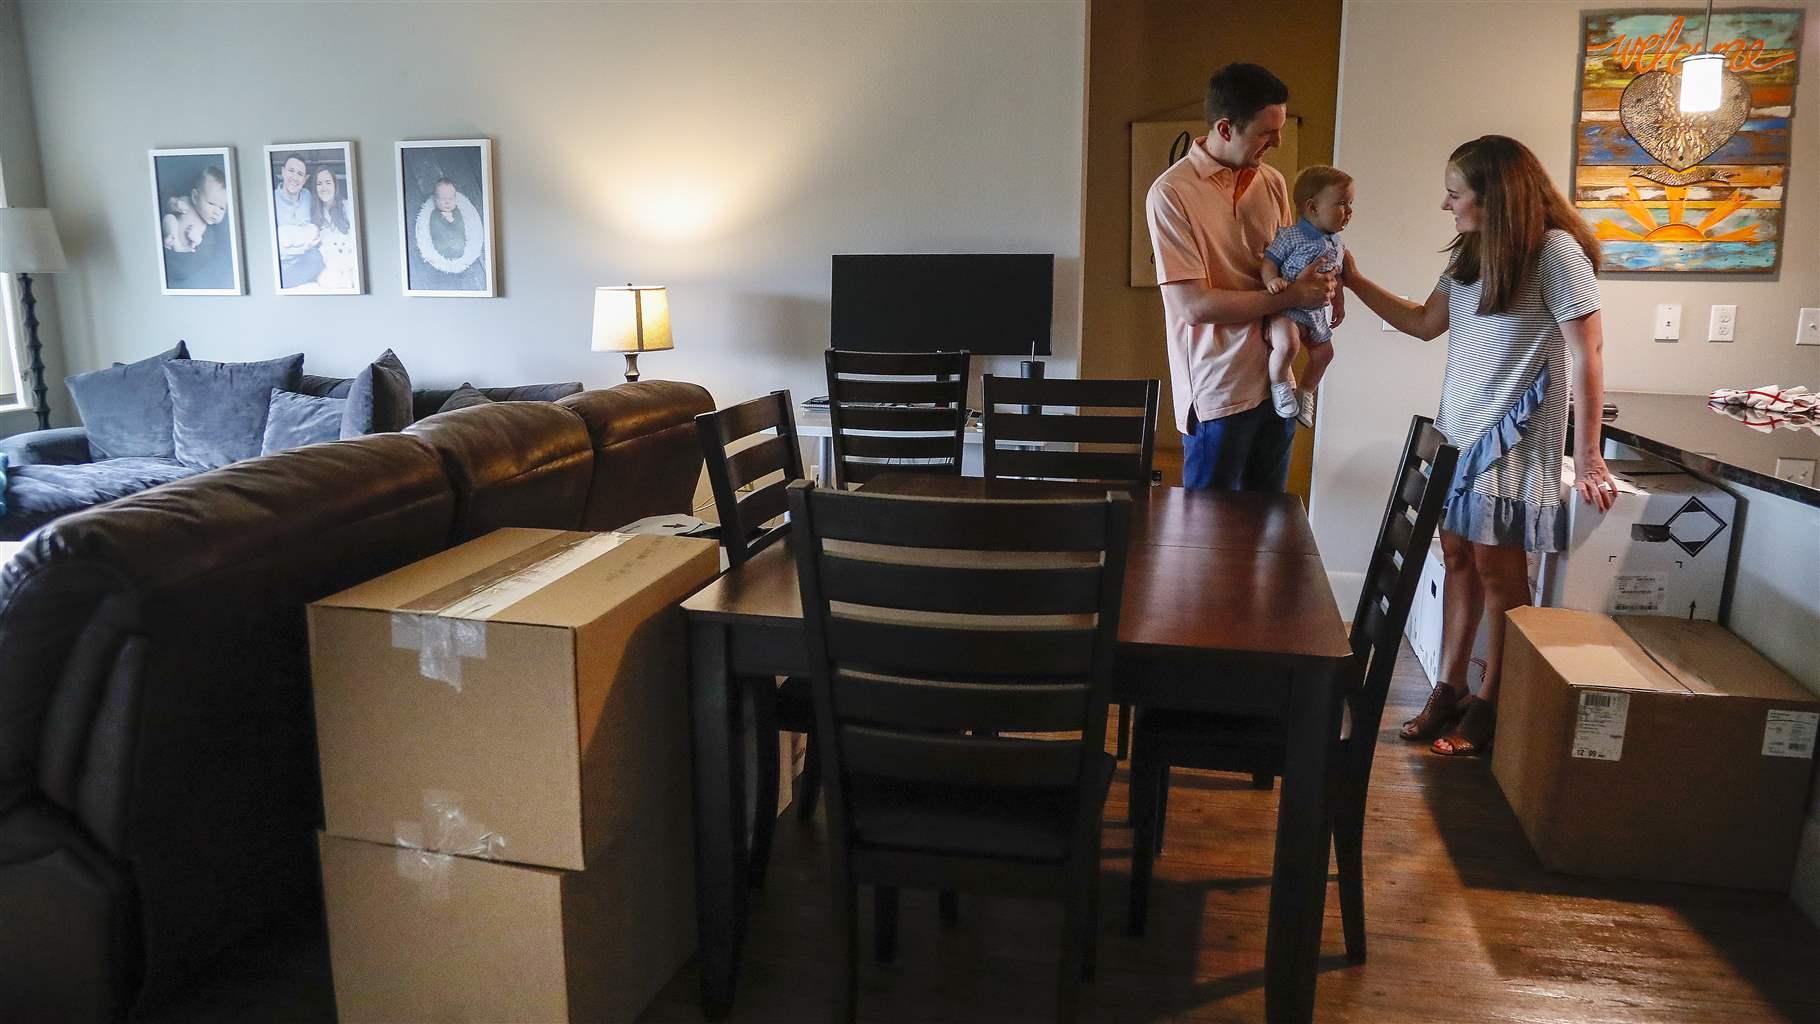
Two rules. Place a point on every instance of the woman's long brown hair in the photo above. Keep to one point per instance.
(1517, 204)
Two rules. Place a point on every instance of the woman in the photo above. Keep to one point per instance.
(329, 213)
(1518, 293)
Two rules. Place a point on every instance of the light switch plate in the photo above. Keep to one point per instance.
(1723, 325)
(1807, 328)
(1668, 322)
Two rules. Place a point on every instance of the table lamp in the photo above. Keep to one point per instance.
(29, 245)
(632, 319)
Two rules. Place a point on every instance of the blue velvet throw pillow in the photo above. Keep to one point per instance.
(2, 484)
(293, 420)
(219, 409)
(126, 408)
(379, 400)
(465, 396)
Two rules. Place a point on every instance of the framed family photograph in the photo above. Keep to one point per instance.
(198, 217)
(445, 202)
(315, 219)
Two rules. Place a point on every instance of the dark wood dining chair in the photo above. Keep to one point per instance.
(902, 412)
(1218, 742)
(749, 524)
(1116, 448)
(1122, 445)
(935, 627)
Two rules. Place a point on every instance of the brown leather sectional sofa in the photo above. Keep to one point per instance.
(158, 775)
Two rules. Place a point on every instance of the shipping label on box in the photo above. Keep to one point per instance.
(1599, 727)
(1790, 733)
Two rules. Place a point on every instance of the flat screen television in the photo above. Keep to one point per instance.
(986, 303)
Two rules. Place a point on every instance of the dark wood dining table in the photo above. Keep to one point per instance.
(1227, 607)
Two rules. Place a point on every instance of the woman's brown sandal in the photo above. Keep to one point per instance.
(1473, 735)
(1444, 707)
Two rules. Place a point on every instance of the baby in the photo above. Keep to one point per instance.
(183, 229)
(447, 232)
(1323, 198)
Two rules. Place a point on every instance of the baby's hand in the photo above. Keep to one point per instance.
(1275, 285)
(175, 237)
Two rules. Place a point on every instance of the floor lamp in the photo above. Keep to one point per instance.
(29, 245)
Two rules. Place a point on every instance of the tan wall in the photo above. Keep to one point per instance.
(1149, 59)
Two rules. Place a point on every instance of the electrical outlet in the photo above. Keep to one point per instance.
(1723, 325)
(1796, 471)
(1668, 322)
(1807, 328)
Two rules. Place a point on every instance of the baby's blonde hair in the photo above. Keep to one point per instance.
(1312, 180)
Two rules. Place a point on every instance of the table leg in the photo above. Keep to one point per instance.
(720, 827)
(1298, 891)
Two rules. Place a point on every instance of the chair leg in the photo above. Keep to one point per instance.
(808, 788)
(1124, 731)
(884, 923)
(764, 803)
(1348, 851)
(1142, 798)
(1263, 780)
(1162, 806)
(846, 947)
(951, 907)
(1090, 954)
(1075, 915)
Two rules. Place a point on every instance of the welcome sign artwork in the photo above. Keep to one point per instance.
(1686, 193)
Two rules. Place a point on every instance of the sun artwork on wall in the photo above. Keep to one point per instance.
(1675, 192)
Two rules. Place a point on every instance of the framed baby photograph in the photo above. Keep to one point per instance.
(315, 219)
(198, 220)
(445, 203)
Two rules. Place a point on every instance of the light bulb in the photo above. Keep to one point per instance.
(1702, 78)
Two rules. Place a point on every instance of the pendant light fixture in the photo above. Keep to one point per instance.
(1703, 74)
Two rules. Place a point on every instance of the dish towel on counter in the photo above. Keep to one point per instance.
(1769, 406)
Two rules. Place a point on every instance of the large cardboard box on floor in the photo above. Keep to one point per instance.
(1663, 548)
(518, 697)
(1652, 747)
(504, 738)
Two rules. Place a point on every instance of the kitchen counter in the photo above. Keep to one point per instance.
(1684, 429)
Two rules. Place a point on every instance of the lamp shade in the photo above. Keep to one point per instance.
(28, 242)
(632, 319)
(1702, 82)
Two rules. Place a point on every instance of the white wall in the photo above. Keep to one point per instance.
(23, 185)
(725, 150)
(1509, 68)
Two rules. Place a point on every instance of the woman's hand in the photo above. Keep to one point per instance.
(1594, 482)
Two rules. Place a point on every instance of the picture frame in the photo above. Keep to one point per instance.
(446, 237)
(197, 255)
(313, 201)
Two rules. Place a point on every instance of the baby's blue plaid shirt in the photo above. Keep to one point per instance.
(1293, 250)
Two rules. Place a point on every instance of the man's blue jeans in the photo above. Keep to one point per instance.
(1246, 451)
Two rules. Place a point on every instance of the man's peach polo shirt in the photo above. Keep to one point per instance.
(1210, 223)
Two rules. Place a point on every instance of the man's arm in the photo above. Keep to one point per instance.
(1197, 303)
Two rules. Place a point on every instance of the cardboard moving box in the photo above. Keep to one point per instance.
(1651, 747)
(420, 936)
(522, 697)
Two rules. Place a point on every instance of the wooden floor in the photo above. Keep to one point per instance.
(1464, 926)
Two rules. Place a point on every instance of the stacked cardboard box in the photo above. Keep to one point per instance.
(504, 738)
(1652, 747)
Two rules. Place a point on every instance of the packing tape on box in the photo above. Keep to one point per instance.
(447, 625)
(426, 848)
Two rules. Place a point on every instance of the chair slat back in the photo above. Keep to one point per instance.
(1124, 442)
(743, 514)
(896, 411)
(936, 625)
(1424, 475)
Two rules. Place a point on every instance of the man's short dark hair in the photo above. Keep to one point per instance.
(1237, 92)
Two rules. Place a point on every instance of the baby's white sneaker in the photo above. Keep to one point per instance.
(1282, 395)
(1305, 408)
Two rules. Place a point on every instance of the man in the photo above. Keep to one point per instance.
(299, 255)
(1211, 215)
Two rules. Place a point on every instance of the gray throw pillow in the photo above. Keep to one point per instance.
(293, 420)
(465, 396)
(218, 410)
(126, 408)
(379, 400)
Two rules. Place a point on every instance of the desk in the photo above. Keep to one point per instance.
(1226, 608)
